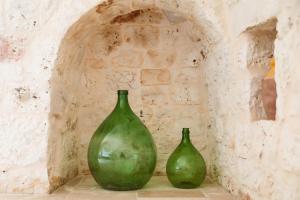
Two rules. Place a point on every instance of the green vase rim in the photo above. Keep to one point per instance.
(186, 130)
(124, 92)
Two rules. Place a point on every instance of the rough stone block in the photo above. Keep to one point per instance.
(145, 36)
(182, 6)
(138, 4)
(122, 79)
(188, 75)
(127, 58)
(157, 58)
(156, 95)
(188, 94)
(155, 77)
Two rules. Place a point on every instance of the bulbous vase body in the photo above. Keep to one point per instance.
(186, 167)
(122, 153)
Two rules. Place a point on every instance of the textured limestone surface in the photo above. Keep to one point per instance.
(194, 63)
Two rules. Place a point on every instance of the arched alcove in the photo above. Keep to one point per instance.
(156, 51)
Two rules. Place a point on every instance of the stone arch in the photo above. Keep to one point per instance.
(95, 55)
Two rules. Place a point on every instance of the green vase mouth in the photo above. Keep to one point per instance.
(124, 92)
(185, 130)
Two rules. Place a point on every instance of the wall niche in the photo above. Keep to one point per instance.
(156, 53)
(261, 65)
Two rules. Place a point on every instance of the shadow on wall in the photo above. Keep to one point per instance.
(156, 52)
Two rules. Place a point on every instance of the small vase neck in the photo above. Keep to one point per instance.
(122, 103)
(185, 136)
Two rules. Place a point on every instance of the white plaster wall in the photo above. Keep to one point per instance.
(30, 33)
(259, 160)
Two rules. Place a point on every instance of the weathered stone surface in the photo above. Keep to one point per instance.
(137, 4)
(11, 49)
(155, 76)
(156, 95)
(188, 94)
(62, 62)
(118, 79)
(146, 36)
(159, 58)
(127, 58)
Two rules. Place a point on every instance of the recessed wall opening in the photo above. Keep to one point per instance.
(156, 53)
(262, 66)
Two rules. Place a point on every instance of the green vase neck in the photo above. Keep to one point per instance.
(122, 103)
(185, 136)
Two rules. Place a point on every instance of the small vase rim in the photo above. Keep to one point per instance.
(124, 92)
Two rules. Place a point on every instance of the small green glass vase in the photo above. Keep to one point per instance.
(186, 167)
(122, 153)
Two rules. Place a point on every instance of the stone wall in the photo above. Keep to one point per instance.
(62, 62)
(257, 159)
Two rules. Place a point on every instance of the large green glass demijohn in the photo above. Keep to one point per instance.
(186, 167)
(122, 153)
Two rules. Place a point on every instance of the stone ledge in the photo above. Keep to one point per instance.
(85, 188)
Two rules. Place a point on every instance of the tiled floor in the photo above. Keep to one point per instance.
(85, 188)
